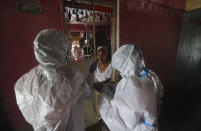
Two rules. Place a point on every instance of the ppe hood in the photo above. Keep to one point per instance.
(50, 47)
(128, 60)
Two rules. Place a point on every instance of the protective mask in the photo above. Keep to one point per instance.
(143, 72)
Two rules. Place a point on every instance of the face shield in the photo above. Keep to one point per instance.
(128, 60)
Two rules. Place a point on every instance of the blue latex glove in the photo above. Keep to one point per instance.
(144, 72)
(93, 66)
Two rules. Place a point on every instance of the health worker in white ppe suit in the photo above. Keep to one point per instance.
(135, 104)
(49, 94)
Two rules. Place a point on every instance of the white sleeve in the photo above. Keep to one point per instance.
(110, 71)
(25, 97)
(87, 91)
(110, 114)
(89, 81)
(80, 85)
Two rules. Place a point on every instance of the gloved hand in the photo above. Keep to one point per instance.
(109, 88)
(98, 86)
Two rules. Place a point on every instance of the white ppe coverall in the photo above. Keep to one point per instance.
(134, 105)
(49, 94)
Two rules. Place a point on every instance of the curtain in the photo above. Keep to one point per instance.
(188, 63)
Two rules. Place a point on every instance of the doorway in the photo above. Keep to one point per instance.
(89, 25)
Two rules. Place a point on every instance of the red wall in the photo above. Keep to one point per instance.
(178, 4)
(17, 34)
(155, 33)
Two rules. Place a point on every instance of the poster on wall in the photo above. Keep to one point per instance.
(75, 35)
(28, 6)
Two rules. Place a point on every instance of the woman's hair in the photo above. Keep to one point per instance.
(104, 50)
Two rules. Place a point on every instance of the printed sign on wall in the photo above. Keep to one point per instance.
(28, 6)
(75, 35)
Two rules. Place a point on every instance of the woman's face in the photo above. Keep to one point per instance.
(102, 55)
